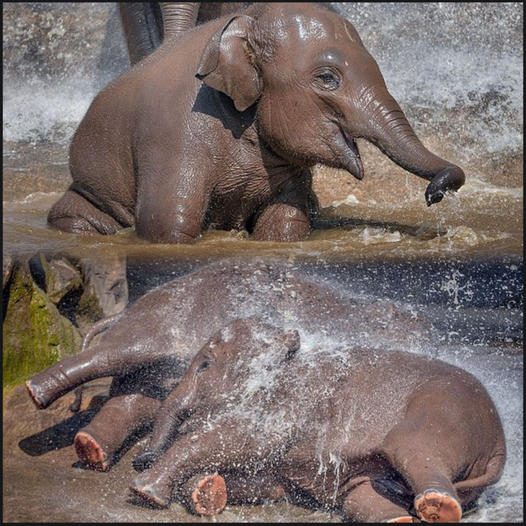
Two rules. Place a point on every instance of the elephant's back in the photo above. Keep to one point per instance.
(183, 314)
(367, 392)
(100, 155)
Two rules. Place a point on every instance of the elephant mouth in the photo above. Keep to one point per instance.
(352, 162)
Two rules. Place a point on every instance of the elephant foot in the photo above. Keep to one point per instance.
(404, 518)
(150, 494)
(435, 506)
(209, 495)
(33, 391)
(90, 452)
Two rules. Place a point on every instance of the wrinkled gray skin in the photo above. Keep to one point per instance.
(362, 430)
(220, 127)
(148, 347)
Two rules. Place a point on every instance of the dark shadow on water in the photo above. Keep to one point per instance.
(62, 434)
(348, 223)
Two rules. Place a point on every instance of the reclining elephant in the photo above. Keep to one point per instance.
(372, 433)
(148, 347)
(220, 127)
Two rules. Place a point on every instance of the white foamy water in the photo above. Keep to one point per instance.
(34, 111)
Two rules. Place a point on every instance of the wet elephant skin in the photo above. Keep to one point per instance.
(220, 127)
(363, 431)
(150, 344)
(148, 366)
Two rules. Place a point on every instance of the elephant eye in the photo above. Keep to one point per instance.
(202, 366)
(327, 80)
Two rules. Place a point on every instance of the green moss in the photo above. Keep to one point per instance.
(35, 335)
(89, 309)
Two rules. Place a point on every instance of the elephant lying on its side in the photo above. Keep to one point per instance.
(379, 435)
(365, 431)
(150, 344)
(220, 127)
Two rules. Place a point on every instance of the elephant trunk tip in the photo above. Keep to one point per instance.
(450, 178)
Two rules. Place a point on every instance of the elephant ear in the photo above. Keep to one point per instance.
(228, 63)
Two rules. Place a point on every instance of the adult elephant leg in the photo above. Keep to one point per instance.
(97, 443)
(364, 504)
(142, 24)
(178, 17)
(74, 213)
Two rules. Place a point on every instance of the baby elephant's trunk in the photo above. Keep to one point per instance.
(388, 128)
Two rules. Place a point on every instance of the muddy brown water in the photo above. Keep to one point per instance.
(382, 217)
(458, 262)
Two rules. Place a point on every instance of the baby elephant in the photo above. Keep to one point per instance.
(221, 127)
(382, 436)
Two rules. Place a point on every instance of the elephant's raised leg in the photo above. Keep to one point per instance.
(97, 443)
(74, 213)
(282, 222)
(365, 504)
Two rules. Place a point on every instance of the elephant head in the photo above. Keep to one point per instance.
(228, 368)
(317, 89)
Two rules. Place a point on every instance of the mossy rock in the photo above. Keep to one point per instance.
(35, 334)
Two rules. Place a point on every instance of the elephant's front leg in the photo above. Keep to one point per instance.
(287, 217)
(97, 443)
(171, 206)
(214, 451)
(282, 222)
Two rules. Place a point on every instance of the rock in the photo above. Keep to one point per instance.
(35, 334)
(105, 289)
(7, 263)
(61, 277)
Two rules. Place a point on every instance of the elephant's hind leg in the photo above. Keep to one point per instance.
(206, 494)
(365, 504)
(435, 506)
(97, 443)
(428, 449)
(74, 213)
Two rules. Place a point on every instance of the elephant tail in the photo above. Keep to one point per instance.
(494, 468)
(99, 327)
